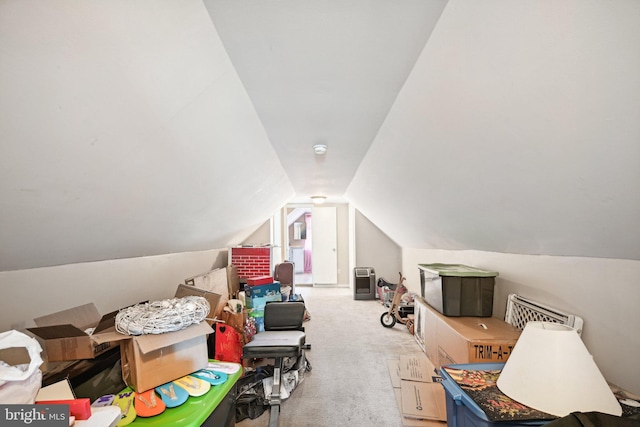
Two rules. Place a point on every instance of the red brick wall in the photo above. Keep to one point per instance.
(251, 262)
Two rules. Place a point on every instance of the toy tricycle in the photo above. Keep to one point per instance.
(397, 312)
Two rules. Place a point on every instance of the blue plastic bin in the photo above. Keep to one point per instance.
(462, 411)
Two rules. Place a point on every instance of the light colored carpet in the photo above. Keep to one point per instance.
(350, 383)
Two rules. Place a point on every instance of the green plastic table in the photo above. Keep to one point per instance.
(195, 411)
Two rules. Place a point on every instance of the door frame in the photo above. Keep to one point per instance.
(283, 245)
(324, 245)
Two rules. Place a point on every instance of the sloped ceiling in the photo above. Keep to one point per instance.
(323, 72)
(517, 131)
(141, 128)
(125, 132)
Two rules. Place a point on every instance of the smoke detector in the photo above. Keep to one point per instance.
(320, 149)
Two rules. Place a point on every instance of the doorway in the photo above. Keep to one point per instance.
(325, 246)
(299, 243)
(310, 242)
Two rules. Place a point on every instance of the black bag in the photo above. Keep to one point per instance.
(250, 401)
(594, 419)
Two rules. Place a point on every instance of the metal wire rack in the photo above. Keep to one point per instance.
(521, 310)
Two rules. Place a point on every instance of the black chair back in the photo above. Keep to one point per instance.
(283, 316)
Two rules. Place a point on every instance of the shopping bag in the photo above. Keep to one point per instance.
(21, 383)
(236, 321)
(228, 344)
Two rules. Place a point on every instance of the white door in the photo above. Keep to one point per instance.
(324, 243)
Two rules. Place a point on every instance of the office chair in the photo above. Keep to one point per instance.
(283, 337)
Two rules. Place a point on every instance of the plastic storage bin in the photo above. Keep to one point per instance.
(458, 290)
(462, 411)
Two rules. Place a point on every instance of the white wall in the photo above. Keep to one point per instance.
(342, 226)
(517, 131)
(27, 294)
(604, 292)
(261, 236)
(125, 129)
(375, 249)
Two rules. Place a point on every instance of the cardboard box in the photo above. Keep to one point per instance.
(413, 422)
(259, 280)
(257, 296)
(152, 360)
(63, 337)
(13, 356)
(457, 340)
(420, 396)
(215, 281)
(60, 390)
(423, 400)
(233, 281)
(417, 367)
(394, 372)
(235, 320)
(213, 299)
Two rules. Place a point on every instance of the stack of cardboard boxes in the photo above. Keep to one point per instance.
(456, 340)
(147, 361)
(258, 291)
(452, 325)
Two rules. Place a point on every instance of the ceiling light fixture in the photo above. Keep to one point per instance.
(318, 200)
(320, 149)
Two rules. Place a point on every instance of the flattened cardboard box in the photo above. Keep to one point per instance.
(394, 372)
(423, 400)
(417, 367)
(152, 360)
(60, 390)
(233, 281)
(436, 408)
(414, 422)
(421, 397)
(63, 337)
(455, 340)
(215, 281)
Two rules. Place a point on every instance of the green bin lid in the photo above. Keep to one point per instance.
(456, 270)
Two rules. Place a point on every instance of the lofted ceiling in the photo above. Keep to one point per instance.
(142, 128)
(323, 72)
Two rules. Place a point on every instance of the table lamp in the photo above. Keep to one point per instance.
(551, 370)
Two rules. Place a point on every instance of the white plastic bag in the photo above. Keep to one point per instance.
(20, 384)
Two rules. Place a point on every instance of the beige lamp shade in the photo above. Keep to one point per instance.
(551, 370)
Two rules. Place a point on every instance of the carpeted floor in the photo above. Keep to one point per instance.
(350, 383)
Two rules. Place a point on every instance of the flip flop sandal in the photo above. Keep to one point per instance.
(105, 400)
(127, 410)
(194, 386)
(148, 404)
(211, 376)
(172, 394)
(226, 367)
